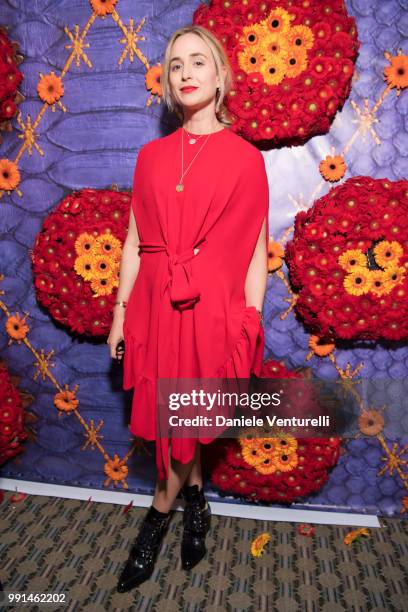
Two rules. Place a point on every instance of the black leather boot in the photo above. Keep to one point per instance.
(140, 564)
(197, 522)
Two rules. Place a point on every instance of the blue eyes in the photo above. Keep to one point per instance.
(176, 65)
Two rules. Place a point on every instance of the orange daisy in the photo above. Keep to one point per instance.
(102, 266)
(286, 462)
(274, 44)
(251, 59)
(286, 444)
(333, 168)
(394, 275)
(84, 243)
(380, 284)
(83, 267)
(104, 286)
(320, 347)
(152, 79)
(116, 469)
(259, 543)
(396, 75)
(9, 175)
(275, 256)
(352, 259)
(300, 36)
(66, 400)
(267, 447)
(267, 466)
(50, 88)
(107, 244)
(358, 282)
(278, 21)
(295, 62)
(251, 455)
(355, 534)
(387, 253)
(253, 34)
(371, 422)
(17, 327)
(103, 7)
(273, 70)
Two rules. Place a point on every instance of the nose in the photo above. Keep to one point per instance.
(185, 72)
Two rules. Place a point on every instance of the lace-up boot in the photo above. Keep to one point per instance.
(197, 522)
(140, 564)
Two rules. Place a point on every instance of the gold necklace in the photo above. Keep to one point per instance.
(180, 186)
(193, 139)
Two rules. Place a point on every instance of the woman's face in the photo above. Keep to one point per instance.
(193, 74)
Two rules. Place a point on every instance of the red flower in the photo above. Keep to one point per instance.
(59, 286)
(290, 85)
(305, 530)
(349, 217)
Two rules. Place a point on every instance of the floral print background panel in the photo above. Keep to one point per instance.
(293, 65)
(348, 261)
(76, 259)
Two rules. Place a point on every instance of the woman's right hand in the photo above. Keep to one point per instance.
(116, 334)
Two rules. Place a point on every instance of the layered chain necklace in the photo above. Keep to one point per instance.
(180, 185)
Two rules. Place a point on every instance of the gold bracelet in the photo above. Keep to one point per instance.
(123, 303)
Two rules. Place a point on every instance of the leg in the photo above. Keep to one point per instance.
(167, 490)
(143, 554)
(195, 476)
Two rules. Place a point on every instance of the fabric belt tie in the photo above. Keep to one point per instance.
(183, 290)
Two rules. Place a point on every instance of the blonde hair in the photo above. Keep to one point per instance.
(220, 60)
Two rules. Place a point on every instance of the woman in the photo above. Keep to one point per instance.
(198, 231)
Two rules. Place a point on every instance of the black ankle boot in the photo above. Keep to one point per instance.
(140, 564)
(197, 522)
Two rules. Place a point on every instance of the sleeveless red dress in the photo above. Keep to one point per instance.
(186, 315)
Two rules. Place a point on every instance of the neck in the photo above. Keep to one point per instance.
(201, 125)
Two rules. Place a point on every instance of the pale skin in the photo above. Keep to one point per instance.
(192, 64)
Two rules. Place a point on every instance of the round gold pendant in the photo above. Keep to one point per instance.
(192, 141)
(179, 187)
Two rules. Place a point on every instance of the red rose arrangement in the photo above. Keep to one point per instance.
(10, 77)
(76, 259)
(348, 261)
(12, 432)
(292, 62)
(271, 466)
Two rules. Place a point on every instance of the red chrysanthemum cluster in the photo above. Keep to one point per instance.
(10, 78)
(12, 432)
(292, 64)
(348, 261)
(76, 259)
(280, 468)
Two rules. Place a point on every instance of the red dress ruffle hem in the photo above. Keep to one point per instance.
(186, 315)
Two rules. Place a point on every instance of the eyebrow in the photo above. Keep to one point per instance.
(191, 55)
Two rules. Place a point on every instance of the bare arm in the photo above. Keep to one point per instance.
(130, 263)
(257, 276)
(129, 269)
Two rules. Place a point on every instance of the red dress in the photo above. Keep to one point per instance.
(186, 315)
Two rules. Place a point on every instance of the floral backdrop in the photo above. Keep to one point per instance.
(79, 95)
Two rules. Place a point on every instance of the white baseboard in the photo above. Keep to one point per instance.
(265, 513)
